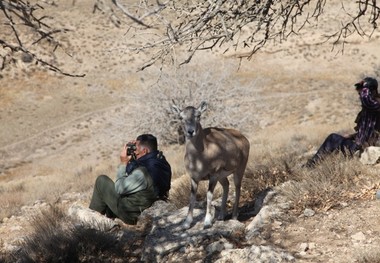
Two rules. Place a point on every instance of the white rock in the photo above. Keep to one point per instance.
(370, 155)
(304, 247)
(358, 236)
(378, 194)
(90, 218)
(309, 212)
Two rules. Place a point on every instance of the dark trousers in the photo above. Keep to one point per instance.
(333, 143)
(104, 198)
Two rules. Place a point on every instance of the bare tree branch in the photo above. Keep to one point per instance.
(20, 19)
(128, 14)
(244, 24)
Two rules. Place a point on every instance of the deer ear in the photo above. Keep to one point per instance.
(175, 109)
(203, 107)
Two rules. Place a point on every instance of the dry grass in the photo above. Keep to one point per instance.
(26, 190)
(372, 256)
(325, 186)
(180, 191)
(56, 238)
(11, 201)
(334, 181)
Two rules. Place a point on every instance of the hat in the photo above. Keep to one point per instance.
(367, 82)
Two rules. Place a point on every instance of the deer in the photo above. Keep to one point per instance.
(212, 154)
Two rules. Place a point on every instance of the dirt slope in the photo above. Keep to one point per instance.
(52, 125)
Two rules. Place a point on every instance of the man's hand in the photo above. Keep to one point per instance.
(124, 158)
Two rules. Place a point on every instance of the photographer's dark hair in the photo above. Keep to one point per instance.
(371, 83)
(148, 140)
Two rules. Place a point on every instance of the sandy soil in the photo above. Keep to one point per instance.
(53, 125)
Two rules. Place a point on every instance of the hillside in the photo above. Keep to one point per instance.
(56, 129)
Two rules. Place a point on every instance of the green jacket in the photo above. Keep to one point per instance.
(136, 192)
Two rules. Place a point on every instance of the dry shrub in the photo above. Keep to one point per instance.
(333, 181)
(11, 199)
(16, 194)
(337, 179)
(272, 161)
(188, 87)
(56, 238)
(175, 156)
(272, 170)
(84, 178)
(181, 189)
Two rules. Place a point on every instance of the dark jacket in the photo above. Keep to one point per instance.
(158, 168)
(368, 119)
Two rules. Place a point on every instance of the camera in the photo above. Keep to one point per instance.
(131, 148)
(359, 85)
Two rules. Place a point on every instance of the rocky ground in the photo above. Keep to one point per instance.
(52, 125)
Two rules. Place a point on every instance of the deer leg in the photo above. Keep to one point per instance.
(209, 211)
(225, 184)
(189, 218)
(237, 181)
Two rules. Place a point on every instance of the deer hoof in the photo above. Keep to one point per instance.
(207, 222)
(186, 224)
(207, 225)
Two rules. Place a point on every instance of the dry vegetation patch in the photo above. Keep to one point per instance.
(229, 100)
(55, 237)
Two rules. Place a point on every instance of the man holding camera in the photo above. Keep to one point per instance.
(143, 177)
(367, 125)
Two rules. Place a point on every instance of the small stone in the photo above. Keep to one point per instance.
(215, 247)
(358, 236)
(15, 228)
(309, 212)
(26, 57)
(277, 224)
(378, 195)
(304, 247)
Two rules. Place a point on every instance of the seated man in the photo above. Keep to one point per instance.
(367, 125)
(159, 169)
(134, 189)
